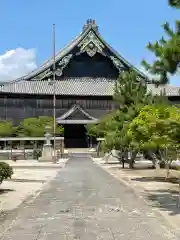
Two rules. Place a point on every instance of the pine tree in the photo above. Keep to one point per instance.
(131, 91)
(174, 3)
(166, 51)
(131, 95)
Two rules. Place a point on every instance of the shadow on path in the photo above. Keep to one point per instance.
(164, 199)
(5, 190)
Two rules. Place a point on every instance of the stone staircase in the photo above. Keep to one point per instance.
(89, 151)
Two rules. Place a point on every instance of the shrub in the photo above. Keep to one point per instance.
(6, 171)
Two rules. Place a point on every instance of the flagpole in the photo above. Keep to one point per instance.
(54, 90)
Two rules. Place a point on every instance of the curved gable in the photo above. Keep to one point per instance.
(76, 115)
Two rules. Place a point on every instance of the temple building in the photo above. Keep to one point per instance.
(86, 71)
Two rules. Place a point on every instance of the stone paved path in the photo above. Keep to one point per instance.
(85, 202)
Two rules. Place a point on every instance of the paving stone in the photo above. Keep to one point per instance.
(84, 202)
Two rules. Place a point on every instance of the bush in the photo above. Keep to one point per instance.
(6, 171)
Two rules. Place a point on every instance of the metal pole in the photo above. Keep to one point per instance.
(54, 90)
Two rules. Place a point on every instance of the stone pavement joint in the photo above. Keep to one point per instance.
(85, 202)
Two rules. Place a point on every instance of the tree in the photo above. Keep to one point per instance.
(157, 129)
(166, 51)
(6, 128)
(105, 124)
(174, 3)
(131, 91)
(131, 95)
(36, 127)
(93, 130)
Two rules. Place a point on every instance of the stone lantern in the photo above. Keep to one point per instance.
(48, 136)
(47, 155)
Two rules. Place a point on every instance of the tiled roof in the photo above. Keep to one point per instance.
(78, 87)
(168, 89)
(75, 86)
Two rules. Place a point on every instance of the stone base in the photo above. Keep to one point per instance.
(47, 155)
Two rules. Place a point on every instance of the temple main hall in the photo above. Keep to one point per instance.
(86, 71)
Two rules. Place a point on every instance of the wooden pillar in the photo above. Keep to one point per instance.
(62, 147)
(5, 144)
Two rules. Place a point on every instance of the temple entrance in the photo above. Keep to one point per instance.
(75, 136)
(74, 121)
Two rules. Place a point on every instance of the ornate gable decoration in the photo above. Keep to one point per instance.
(117, 63)
(91, 44)
(62, 64)
(45, 74)
(59, 68)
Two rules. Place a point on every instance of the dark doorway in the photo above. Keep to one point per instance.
(75, 136)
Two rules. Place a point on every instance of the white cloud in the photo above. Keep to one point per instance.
(16, 63)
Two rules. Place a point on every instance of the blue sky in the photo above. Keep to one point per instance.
(127, 25)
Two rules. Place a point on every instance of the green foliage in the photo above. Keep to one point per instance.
(6, 171)
(6, 129)
(95, 130)
(157, 127)
(36, 127)
(145, 122)
(100, 129)
(157, 130)
(92, 130)
(131, 95)
(166, 51)
(130, 90)
(174, 3)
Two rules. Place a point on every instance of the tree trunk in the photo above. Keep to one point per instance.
(132, 160)
(155, 161)
(164, 158)
(178, 198)
(167, 170)
(123, 162)
(106, 157)
(121, 158)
